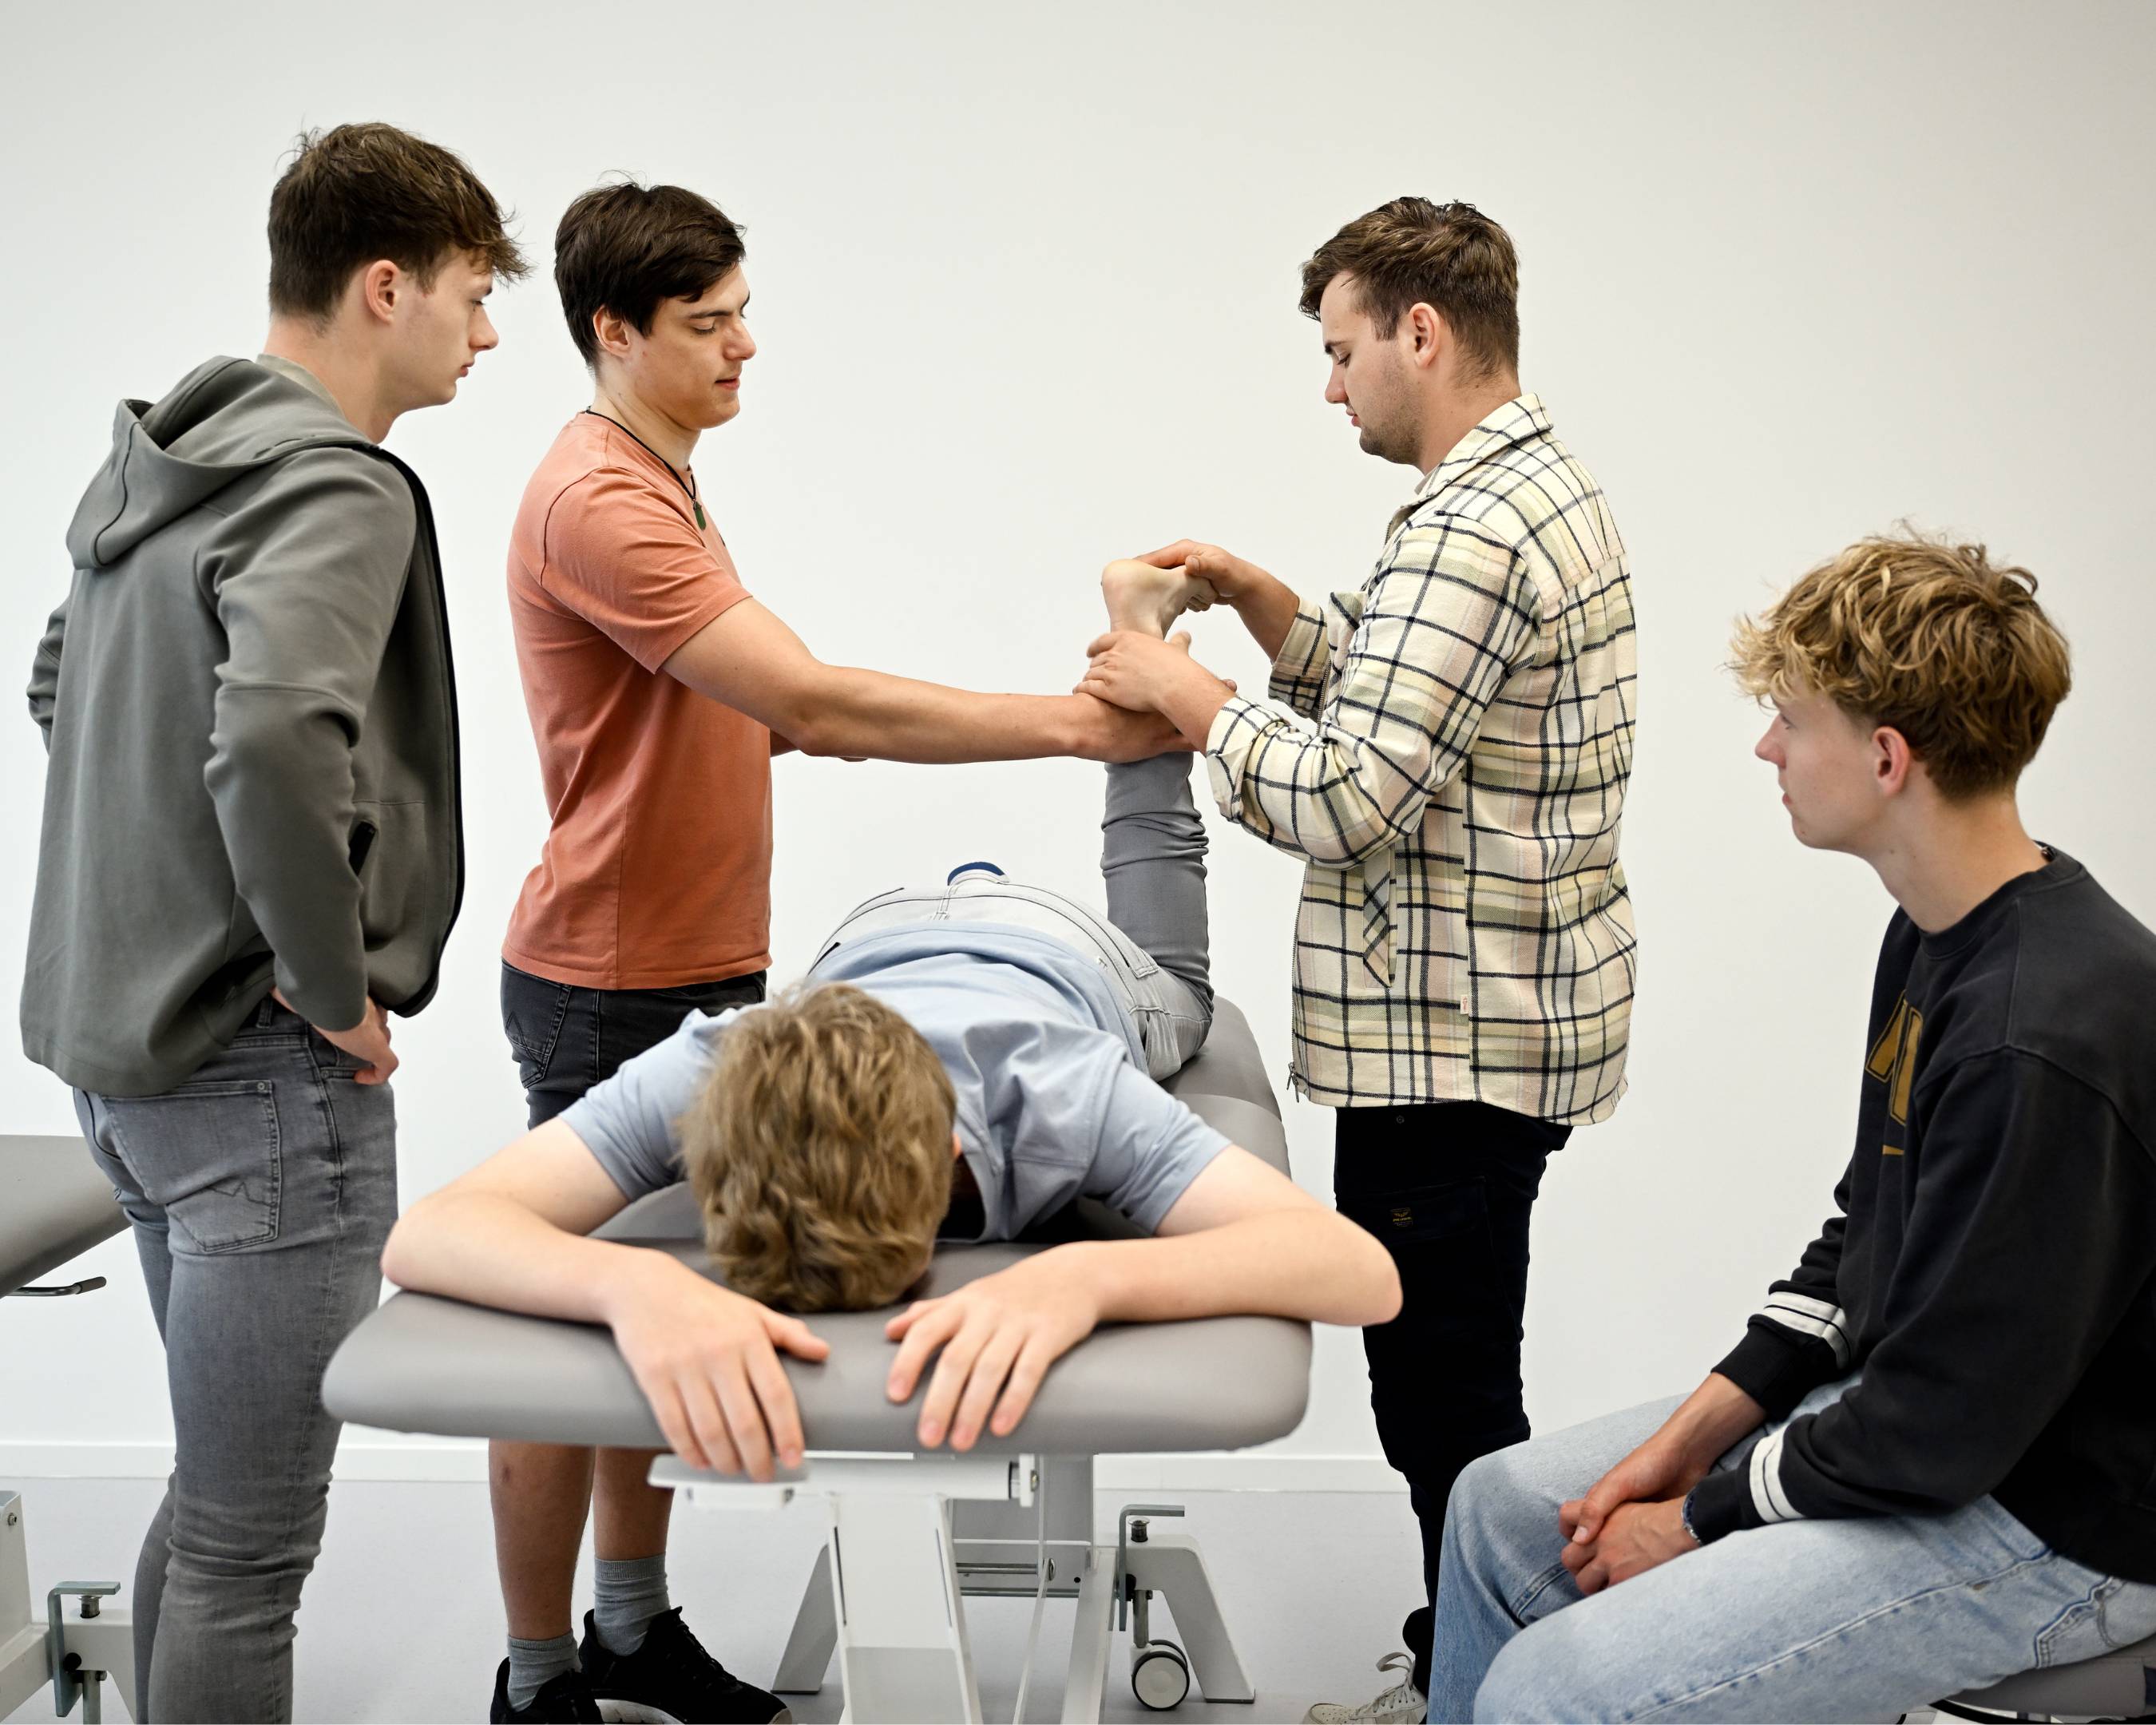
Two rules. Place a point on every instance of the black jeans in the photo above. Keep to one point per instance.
(567, 1039)
(1449, 1188)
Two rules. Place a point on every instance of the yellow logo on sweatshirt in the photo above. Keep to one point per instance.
(1893, 1063)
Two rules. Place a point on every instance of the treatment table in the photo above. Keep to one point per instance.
(911, 1535)
(54, 1206)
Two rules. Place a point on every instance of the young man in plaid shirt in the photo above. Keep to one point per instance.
(1447, 747)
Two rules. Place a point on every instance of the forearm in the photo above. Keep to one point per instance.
(280, 777)
(1311, 1263)
(45, 673)
(1315, 790)
(1713, 1417)
(1267, 606)
(493, 1251)
(1192, 700)
(882, 717)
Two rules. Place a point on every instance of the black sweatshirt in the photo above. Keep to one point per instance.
(1992, 1272)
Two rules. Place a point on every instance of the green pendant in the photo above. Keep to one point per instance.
(700, 516)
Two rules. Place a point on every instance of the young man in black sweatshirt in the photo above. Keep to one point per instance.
(1931, 1462)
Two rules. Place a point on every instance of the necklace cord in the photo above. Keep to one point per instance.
(688, 484)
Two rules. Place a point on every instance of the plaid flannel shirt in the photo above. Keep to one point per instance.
(1447, 747)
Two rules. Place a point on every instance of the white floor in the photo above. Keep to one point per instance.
(402, 1621)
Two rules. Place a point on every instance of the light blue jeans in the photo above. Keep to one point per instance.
(1861, 1618)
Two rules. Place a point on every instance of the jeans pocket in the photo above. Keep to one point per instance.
(1443, 1384)
(1454, 1213)
(2125, 1614)
(1440, 1241)
(210, 1156)
(396, 847)
(750, 990)
(532, 1013)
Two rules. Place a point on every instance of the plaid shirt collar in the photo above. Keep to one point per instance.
(1521, 417)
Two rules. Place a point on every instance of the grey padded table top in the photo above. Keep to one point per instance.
(54, 1205)
(426, 1364)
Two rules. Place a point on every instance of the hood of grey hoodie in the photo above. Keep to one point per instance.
(190, 860)
(223, 420)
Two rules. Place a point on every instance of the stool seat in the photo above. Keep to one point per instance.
(2120, 1685)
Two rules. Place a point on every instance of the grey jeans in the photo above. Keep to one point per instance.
(261, 1192)
(1153, 946)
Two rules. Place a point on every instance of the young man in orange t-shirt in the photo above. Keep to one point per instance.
(659, 690)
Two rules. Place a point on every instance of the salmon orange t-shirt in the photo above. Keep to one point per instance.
(657, 870)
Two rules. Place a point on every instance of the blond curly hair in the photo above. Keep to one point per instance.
(819, 1151)
(1924, 636)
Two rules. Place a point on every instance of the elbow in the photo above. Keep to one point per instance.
(395, 1256)
(1381, 1281)
(404, 1257)
(264, 753)
(817, 736)
(1340, 823)
(1345, 847)
(816, 712)
(1955, 1488)
(814, 721)
(1368, 1290)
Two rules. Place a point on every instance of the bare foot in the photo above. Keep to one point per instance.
(1147, 599)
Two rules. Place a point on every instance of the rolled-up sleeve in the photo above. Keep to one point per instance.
(1451, 614)
(1299, 668)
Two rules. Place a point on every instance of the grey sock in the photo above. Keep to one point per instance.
(631, 1592)
(533, 1665)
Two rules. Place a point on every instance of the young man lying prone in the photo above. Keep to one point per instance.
(961, 1063)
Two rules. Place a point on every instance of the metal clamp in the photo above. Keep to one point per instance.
(69, 1679)
(1126, 1532)
(994, 1478)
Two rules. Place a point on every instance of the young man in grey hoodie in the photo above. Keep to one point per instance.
(252, 855)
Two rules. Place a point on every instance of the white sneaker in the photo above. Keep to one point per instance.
(1403, 1704)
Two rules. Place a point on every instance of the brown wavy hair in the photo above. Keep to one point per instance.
(1449, 256)
(355, 193)
(819, 1151)
(1927, 637)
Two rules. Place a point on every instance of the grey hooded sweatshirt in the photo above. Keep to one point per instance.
(250, 716)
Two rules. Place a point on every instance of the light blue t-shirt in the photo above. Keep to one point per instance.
(1054, 1101)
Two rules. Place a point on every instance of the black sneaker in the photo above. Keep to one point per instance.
(670, 1678)
(566, 1700)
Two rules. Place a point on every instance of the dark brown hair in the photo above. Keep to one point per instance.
(626, 248)
(1449, 256)
(1929, 638)
(357, 193)
(819, 1151)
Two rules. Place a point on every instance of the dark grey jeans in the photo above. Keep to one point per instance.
(261, 1193)
(567, 1041)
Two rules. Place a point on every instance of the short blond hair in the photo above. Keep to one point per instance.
(819, 1151)
(1927, 637)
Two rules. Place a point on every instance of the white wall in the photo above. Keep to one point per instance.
(1025, 287)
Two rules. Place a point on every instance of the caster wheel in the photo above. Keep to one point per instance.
(1160, 1677)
